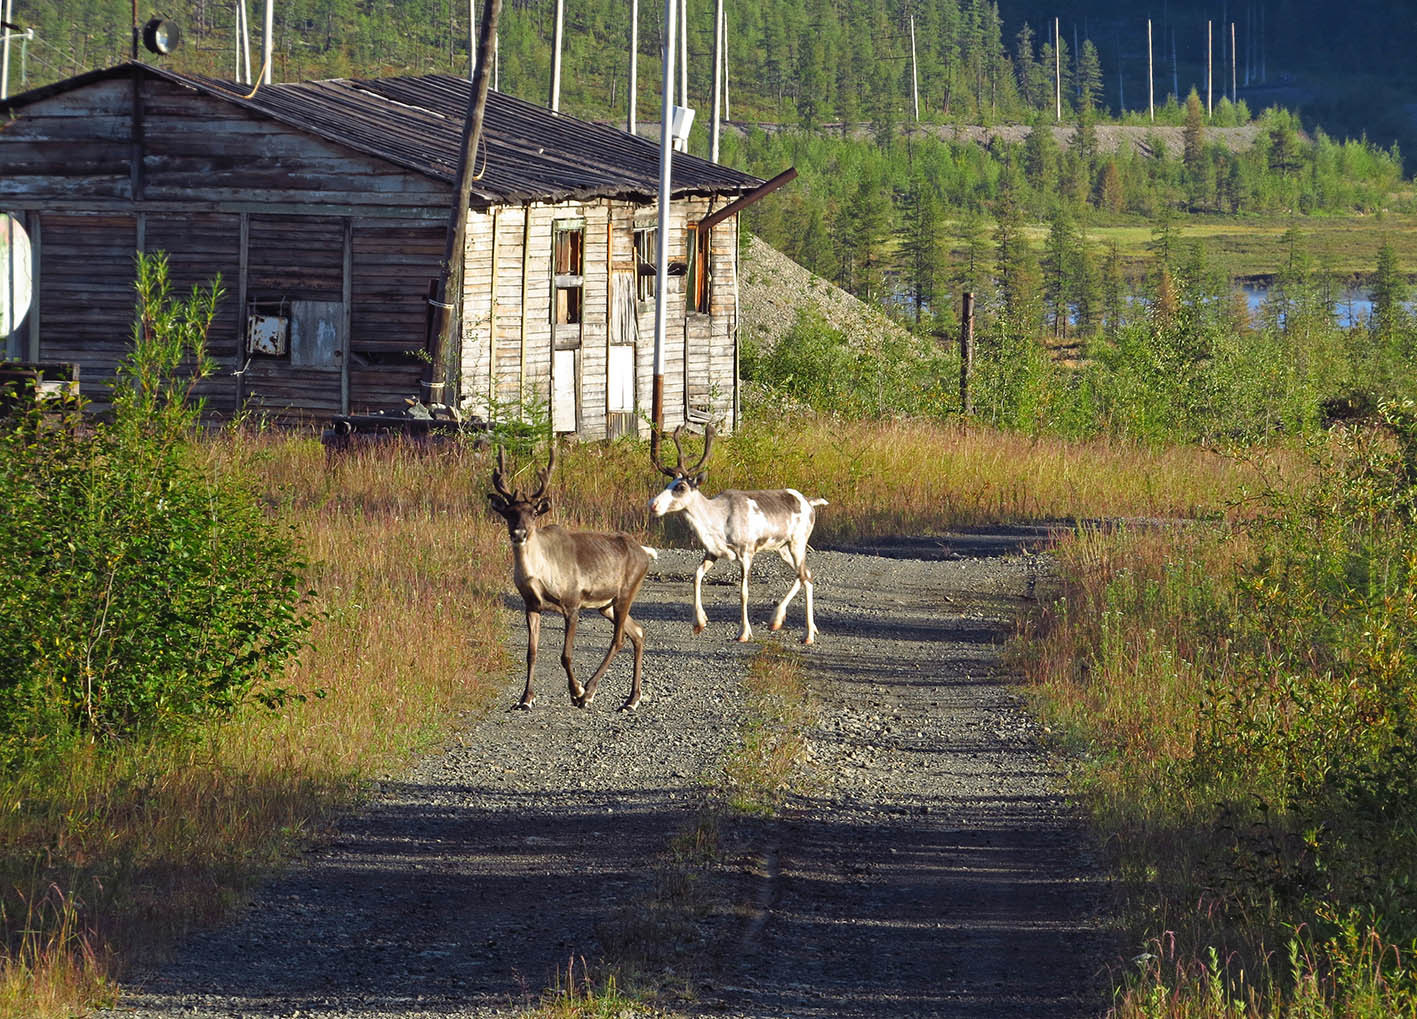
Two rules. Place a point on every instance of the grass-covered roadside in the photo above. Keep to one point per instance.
(113, 851)
(109, 853)
(1244, 702)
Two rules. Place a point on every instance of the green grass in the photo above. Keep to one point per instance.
(1244, 246)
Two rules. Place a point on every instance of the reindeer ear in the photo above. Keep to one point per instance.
(698, 479)
(543, 506)
(498, 503)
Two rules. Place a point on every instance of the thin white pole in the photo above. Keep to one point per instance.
(727, 111)
(666, 155)
(1209, 66)
(246, 44)
(471, 39)
(556, 56)
(684, 55)
(266, 39)
(717, 78)
(5, 50)
(1150, 75)
(1233, 76)
(914, 72)
(1057, 71)
(634, 63)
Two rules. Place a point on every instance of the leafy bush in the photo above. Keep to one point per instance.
(817, 366)
(143, 588)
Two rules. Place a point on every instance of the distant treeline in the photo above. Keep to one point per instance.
(803, 62)
(922, 217)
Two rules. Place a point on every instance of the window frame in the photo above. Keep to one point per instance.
(571, 284)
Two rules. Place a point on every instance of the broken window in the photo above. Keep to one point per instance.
(646, 262)
(696, 286)
(568, 269)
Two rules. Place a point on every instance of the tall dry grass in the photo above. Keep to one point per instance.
(121, 850)
(116, 852)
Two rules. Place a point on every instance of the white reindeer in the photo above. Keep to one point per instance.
(738, 525)
(557, 568)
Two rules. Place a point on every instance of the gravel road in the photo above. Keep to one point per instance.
(928, 866)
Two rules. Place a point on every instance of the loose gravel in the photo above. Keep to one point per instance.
(926, 866)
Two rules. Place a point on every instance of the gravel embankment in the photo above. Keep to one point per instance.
(929, 869)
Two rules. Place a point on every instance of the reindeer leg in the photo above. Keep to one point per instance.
(616, 642)
(701, 620)
(811, 637)
(533, 634)
(578, 694)
(780, 614)
(747, 563)
(637, 639)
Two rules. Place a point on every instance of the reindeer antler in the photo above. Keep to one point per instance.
(679, 470)
(656, 461)
(545, 475)
(497, 484)
(708, 444)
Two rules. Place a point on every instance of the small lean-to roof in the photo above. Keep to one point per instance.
(527, 153)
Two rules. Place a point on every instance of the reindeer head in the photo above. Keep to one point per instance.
(683, 480)
(520, 511)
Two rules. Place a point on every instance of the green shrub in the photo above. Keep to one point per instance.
(142, 588)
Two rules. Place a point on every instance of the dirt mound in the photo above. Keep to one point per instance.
(773, 290)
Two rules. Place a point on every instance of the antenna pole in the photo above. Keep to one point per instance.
(666, 155)
(556, 56)
(634, 63)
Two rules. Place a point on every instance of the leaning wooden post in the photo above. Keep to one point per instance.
(445, 369)
(966, 352)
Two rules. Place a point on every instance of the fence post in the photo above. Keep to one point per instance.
(966, 352)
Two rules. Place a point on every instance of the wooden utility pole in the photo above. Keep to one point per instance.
(1150, 75)
(966, 352)
(445, 371)
(559, 31)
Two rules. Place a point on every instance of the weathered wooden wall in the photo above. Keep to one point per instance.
(283, 216)
(509, 336)
(279, 215)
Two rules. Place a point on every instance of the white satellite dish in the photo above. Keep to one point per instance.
(16, 276)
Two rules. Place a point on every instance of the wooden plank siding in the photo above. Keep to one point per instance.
(85, 282)
(283, 215)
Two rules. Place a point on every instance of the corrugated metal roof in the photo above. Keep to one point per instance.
(527, 152)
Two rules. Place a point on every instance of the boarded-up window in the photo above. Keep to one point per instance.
(568, 268)
(563, 391)
(620, 379)
(646, 262)
(696, 287)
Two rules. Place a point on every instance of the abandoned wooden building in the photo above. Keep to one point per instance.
(324, 208)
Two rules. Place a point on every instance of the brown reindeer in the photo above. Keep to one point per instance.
(557, 568)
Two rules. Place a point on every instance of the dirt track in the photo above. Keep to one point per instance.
(929, 869)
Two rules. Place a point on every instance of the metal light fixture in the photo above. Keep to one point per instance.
(161, 36)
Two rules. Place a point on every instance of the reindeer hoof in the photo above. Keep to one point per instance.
(775, 626)
(811, 638)
(700, 627)
(744, 638)
(629, 705)
(524, 706)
